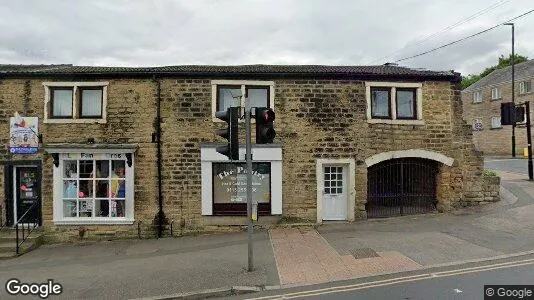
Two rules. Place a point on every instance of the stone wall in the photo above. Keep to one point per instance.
(315, 119)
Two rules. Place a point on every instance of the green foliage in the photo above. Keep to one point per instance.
(489, 173)
(503, 63)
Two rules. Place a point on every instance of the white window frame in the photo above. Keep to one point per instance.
(208, 156)
(477, 97)
(493, 124)
(522, 87)
(393, 108)
(243, 84)
(74, 154)
(75, 101)
(496, 93)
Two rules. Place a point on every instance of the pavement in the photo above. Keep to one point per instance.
(287, 256)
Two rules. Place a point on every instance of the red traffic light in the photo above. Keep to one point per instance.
(268, 116)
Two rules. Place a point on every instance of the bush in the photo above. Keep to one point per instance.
(489, 173)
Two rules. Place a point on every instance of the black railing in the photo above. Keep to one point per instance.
(401, 187)
(27, 223)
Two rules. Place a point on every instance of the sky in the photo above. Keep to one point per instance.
(234, 32)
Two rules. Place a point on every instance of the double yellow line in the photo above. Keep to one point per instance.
(378, 283)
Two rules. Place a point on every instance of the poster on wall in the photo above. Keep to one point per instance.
(23, 135)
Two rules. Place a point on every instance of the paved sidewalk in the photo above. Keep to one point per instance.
(133, 269)
(304, 257)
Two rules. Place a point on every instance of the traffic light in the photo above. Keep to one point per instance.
(230, 116)
(511, 113)
(264, 125)
(507, 113)
(519, 114)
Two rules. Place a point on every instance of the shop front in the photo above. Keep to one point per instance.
(224, 182)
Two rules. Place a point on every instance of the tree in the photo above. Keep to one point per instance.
(503, 63)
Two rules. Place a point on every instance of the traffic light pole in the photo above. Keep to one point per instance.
(248, 158)
(529, 142)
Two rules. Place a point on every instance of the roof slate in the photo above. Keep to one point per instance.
(522, 71)
(380, 70)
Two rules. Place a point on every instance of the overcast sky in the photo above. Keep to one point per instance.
(230, 32)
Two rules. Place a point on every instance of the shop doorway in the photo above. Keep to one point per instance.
(23, 194)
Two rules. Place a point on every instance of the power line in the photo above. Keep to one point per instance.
(460, 22)
(465, 38)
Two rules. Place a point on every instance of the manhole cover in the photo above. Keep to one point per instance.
(363, 253)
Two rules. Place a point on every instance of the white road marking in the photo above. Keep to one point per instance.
(386, 282)
(457, 291)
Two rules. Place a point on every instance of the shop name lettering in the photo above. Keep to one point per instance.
(92, 155)
(240, 170)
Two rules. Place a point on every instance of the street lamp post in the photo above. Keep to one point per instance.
(513, 85)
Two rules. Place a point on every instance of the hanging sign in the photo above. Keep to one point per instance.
(23, 135)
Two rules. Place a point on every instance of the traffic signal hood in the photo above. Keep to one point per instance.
(511, 113)
(231, 133)
(265, 132)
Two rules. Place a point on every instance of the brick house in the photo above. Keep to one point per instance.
(128, 149)
(482, 108)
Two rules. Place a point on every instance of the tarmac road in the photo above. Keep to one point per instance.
(461, 282)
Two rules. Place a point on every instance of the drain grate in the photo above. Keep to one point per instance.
(363, 253)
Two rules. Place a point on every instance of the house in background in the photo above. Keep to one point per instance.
(128, 149)
(482, 108)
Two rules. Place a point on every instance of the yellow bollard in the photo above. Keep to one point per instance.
(525, 152)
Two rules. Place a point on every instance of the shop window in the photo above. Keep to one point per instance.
(229, 188)
(93, 187)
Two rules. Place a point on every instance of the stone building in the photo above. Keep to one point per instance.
(121, 151)
(482, 108)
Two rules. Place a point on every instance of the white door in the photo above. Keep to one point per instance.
(334, 192)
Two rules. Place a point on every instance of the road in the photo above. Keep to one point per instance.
(459, 282)
(517, 165)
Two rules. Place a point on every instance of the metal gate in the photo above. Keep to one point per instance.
(401, 186)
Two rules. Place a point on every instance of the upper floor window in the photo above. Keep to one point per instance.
(75, 102)
(380, 102)
(495, 93)
(525, 87)
(477, 97)
(496, 122)
(231, 93)
(394, 102)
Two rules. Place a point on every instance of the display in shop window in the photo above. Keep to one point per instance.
(94, 187)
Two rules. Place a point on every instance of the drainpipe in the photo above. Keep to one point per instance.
(161, 214)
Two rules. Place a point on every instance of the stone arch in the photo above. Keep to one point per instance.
(420, 153)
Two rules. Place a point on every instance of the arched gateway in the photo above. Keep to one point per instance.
(403, 182)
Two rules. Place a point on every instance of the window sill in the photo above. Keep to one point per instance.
(71, 121)
(396, 122)
(118, 221)
(496, 99)
(475, 102)
(494, 128)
